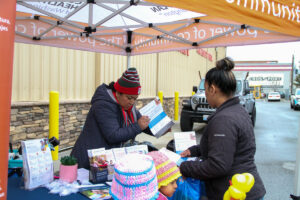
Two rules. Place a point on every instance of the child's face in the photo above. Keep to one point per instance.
(169, 189)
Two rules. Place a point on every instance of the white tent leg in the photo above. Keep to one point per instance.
(128, 60)
(297, 168)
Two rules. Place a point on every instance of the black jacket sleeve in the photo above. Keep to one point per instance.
(195, 151)
(221, 149)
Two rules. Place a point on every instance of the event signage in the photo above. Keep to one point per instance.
(266, 80)
(204, 54)
(282, 16)
(7, 24)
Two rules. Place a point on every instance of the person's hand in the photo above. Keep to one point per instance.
(143, 122)
(157, 101)
(186, 153)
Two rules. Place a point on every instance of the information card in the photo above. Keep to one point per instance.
(184, 140)
(37, 163)
(160, 123)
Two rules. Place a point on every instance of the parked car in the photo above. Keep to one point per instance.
(197, 109)
(295, 99)
(282, 94)
(274, 96)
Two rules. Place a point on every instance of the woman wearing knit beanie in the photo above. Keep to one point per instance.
(112, 119)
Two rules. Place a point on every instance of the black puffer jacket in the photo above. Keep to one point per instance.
(227, 148)
(104, 126)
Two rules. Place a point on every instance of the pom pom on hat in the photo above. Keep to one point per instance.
(129, 82)
(135, 178)
(167, 171)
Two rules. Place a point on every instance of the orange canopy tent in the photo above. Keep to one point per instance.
(133, 27)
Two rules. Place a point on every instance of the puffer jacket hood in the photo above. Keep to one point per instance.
(102, 94)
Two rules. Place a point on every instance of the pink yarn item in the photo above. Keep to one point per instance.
(167, 171)
(135, 178)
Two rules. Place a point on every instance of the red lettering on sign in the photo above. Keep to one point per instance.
(204, 54)
(184, 52)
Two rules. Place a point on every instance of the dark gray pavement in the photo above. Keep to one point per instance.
(277, 140)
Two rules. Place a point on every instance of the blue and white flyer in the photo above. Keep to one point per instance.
(160, 123)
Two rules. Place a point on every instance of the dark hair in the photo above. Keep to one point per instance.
(111, 86)
(222, 76)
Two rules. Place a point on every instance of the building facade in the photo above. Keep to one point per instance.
(76, 74)
(269, 75)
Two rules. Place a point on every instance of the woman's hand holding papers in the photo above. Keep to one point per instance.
(144, 122)
(185, 153)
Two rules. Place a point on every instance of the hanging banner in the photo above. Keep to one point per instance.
(282, 16)
(7, 30)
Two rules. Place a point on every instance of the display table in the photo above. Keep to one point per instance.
(15, 192)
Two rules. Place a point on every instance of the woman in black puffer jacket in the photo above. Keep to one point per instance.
(228, 145)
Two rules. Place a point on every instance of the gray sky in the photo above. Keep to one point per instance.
(282, 52)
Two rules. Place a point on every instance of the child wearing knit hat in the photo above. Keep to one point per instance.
(167, 173)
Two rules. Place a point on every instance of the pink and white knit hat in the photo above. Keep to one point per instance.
(167, 171)
(135, 178)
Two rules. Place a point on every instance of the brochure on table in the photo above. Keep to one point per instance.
(37, 163)
(102, 161)
(97, 194)
(176, 157)
(184, 140)
(160, 123)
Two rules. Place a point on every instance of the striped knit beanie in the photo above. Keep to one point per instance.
(129, 82)
(166, 170)
(134, 178)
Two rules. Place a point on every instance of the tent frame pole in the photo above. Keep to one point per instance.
(128, 60)
(50, 15)
(91, 13)
(297, 167)
(115, 13)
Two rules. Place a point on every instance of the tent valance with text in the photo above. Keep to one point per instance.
(130, 27)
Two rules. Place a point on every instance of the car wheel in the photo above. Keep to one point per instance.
(186, 123)
(253, 115)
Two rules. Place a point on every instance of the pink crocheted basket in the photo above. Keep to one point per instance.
(135, 178)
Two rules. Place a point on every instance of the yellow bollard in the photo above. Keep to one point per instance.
(160, 95)
(193, 93)
(54, 120)
(176, 104)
